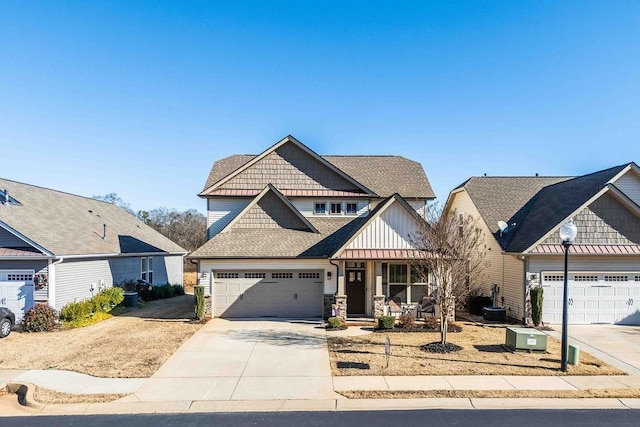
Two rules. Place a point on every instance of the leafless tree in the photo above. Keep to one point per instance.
(114, 199)
(450, 255)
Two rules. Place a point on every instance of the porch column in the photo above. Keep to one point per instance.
(378, 297)
(340, 307)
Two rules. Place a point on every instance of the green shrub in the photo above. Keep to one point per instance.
(118, 310)
(407, 321)
(101, 302)
(178, 290)
(386, 322)
(88, 321)
(336, 323)
(169, 291)
(40, 318)
(115, 295)
(76, 310)
(536, 304)
(198, 296)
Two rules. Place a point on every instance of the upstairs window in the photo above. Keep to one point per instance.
(352, 208)
(320, 208)
(336, 208)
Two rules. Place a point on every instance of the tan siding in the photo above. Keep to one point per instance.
(391, 230)
(221, 212)
(289, 168)
(507, 271)
(629, 184)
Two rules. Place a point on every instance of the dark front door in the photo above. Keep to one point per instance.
(355, 292)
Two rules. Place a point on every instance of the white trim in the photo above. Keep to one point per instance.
(24, 238)
(274, 147)
(630, 167)
(126, 255)
(51, 286)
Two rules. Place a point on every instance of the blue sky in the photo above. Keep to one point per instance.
(140, 98)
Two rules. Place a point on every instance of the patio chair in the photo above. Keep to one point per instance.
(395, 307)
(428, 306)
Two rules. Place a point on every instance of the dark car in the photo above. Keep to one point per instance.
(7, 320)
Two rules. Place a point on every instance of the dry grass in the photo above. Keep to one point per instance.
(482, 354)
(616, 393)
(133, 345)
(46, 396)
(190, 279)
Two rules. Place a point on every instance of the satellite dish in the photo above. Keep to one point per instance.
(504, 227)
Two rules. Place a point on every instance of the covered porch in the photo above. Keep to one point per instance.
(369, 279)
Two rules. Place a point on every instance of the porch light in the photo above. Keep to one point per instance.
(568, 233)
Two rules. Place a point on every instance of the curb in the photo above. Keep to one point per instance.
(25, 392)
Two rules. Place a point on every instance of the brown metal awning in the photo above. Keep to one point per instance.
(382, 254)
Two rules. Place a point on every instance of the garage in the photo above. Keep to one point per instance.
(271, 293)
(594, 297)
(16, 291)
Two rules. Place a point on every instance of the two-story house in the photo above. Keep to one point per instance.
(291, 233)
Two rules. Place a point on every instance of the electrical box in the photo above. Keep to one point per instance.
(526, 339)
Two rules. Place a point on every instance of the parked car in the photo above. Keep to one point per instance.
(7, 320)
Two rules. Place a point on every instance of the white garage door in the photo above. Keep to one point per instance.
(16, 291)
(278, 293)
(593, 297)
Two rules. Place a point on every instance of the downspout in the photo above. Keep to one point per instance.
(197, 264)
(52, 282)
(337, 270)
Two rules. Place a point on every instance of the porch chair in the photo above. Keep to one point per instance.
(428, 306)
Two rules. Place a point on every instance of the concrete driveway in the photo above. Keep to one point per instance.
(246, 360)
(616, 345)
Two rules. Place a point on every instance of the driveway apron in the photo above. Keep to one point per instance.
(246, 360)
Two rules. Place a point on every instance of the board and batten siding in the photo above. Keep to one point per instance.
(629, 184)
(390, 230)
(221, 211)
(10, 240)
(207, 266)
(507, 271)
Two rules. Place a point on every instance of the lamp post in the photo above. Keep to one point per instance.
(568, 233)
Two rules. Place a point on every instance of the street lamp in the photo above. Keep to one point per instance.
(568, 233)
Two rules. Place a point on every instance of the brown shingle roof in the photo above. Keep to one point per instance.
(66, 224)
(384, 175)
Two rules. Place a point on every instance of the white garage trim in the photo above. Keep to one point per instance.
(268, 293)
(17, 291)
(594, 297)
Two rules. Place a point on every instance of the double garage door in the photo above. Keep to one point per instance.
(271, 293)
(593, 297)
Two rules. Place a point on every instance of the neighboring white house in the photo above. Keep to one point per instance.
(604, 261)
(57, 247)
(291, 232)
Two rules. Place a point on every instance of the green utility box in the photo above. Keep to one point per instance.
(526, 339)
(574, 355)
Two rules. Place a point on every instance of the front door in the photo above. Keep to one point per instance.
(355, 292)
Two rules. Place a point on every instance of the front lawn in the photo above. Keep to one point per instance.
(132, 345)
(482, 354)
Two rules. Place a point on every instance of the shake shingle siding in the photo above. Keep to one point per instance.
(270, 212)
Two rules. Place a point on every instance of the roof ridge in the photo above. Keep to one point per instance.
(56, 191)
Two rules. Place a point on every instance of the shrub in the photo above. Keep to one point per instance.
(40, 318)
(88, 321)
(118, 310)
(169, 291)
(432, 322)
(178, 290)
(76, 310)
(100, 302)
(115, 296)
(198, 296)
(336, 323)
(536, 304)
(477, 303)
(386, 322)
(407, 321)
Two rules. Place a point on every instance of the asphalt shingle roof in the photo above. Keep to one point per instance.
(67, 224)
(384, 175)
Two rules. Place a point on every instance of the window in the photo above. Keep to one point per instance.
(19, 277)
(254, 275)
(146, 269)
(553, 277)
(352, 208)
(227, 275)
(585, 278)
(320, 209)
(308, 275)
(419, 274)
(399, 291)
(336, 208)
(397, 273)
(282, 275)
(615, 278)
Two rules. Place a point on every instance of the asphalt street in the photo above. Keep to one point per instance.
(493, 418)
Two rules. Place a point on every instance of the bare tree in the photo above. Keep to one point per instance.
(450, 254)
(114, 199)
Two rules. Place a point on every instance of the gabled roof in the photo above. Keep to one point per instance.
(60, 224)
(309, 167)
(535, 206)
(270, 209)
(382, 175)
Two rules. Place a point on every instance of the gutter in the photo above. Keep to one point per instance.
(121, 255)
